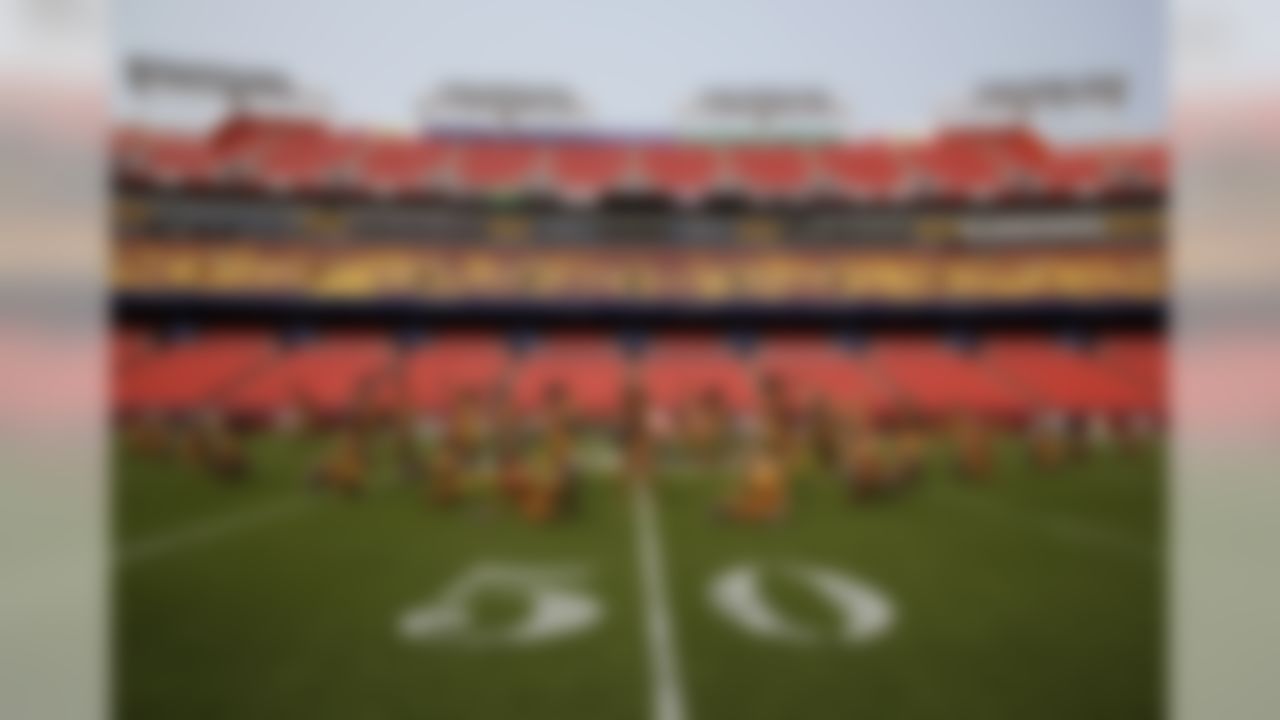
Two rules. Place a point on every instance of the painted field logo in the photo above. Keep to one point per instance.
(865, 613)
(558, 607)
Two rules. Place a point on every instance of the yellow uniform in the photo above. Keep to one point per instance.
(763, 494)
(974, 449)
(346, 469)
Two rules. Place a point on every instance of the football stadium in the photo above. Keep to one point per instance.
(517, 419)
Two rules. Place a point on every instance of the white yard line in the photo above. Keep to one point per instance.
(1068, 529)
(667, 699)
(198, 533)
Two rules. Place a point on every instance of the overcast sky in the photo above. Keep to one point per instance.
(895, 64)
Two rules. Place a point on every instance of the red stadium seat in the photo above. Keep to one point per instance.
(1151, 161)
(396, 165)
(1140, 361)
(938, 381)
(680, 170)
(178, 159)
(772, 170)
(304, 160)
(590, 369)
(588, 169)
(872, 170)
(129, 346)
(1063, 379)
(681, 370)
(959, 166)
(1074, 172)
(495, 165)
(322, 377)
(437, 375)
(961, 162)
(192, 375)
(813, 368)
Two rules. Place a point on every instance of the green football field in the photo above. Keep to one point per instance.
(1035, 596)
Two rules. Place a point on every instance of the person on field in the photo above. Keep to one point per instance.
(411, 463)
(784, 429)
(564, 438)
(761, 494)
(538, 476)
(862, 458)
(636, 433)
(190, 439)
(150, 436)
(822, 431)
(973, 444)
(444, 477)
(222, 450)
(907, 448)
(464, 461)
(344, 469)
(707, 430)
(550, 487)
(513, 475)
(1050, 439)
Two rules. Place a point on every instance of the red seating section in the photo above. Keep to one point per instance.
(813, 368)
(191, 375)
(1007, 378)
(772, 170)
(959, 162)
(396, 165)
(938, 381)
(680, 169)
(305, 160)
(321, 377)
(496, 165)
(1139, 361)
(591, 371)
(871, 170)
(1063, 378)
(957, 168)
(128, 347)
(589, 169)
(173, 158)
(681, 370)
(438, 374)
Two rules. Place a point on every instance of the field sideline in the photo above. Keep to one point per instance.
(1036, 596)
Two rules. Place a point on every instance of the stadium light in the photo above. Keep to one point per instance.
(149, 73)
(500, 106)
(1028, 99)
(235, 90)
(767, 113)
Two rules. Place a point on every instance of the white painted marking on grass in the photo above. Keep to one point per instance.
(865, 612)
(664, 667)
(1068, 529)
(557, 607)
(200, 533)
(736, 593)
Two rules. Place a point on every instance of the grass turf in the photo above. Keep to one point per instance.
(1037, 595)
